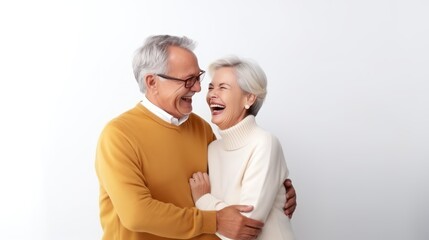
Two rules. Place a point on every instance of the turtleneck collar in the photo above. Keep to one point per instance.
(238, 135)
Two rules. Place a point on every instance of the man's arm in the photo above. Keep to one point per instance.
(232, 224)
(119, 173)
(290, 204)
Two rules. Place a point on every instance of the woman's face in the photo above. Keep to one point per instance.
(226, 99)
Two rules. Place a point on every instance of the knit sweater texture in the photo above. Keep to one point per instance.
(247, 166)
(143, 166)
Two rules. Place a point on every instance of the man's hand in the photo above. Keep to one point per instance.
(232, 224)
(290, 204)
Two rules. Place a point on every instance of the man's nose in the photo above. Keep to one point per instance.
(196, 87)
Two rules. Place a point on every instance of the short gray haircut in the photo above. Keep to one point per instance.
(250, 77)
(152, 57)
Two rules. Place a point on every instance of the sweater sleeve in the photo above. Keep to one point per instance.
(265, 173)
(209, 202)
(120, 174)
(263, 177)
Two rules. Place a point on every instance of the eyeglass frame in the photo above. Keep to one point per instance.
(199, 78)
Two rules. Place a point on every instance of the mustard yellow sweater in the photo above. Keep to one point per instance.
(143, 165)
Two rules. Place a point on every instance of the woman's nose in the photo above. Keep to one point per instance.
(212, 94)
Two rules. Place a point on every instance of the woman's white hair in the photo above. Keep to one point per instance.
(153, 55)
(250, 77)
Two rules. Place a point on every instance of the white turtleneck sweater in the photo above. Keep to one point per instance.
(247, 167)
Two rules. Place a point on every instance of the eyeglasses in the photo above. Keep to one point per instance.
(189, 82)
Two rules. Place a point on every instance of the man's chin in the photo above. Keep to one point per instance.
(185, 110)
(186, 113)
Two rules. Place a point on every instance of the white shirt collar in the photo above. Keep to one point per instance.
(162, 114)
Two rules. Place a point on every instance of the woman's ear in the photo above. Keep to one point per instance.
(251, 98)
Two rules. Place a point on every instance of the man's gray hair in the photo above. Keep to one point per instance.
(153, 55)
(250, 77)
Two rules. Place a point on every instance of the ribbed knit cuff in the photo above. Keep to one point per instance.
(209, 222)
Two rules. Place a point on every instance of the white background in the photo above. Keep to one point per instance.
(348, 98)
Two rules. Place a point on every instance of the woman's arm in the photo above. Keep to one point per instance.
(200, 188)
(264, 177)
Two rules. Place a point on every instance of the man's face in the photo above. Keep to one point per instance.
(172, 96)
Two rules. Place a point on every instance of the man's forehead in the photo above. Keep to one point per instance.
(182, 61)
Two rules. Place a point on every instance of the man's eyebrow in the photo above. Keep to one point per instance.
(193, 75)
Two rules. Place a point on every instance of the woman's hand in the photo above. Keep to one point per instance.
(200, 185)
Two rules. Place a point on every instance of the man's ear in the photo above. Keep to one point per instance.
(151, 82)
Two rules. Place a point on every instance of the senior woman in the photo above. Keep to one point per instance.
(246, 164)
